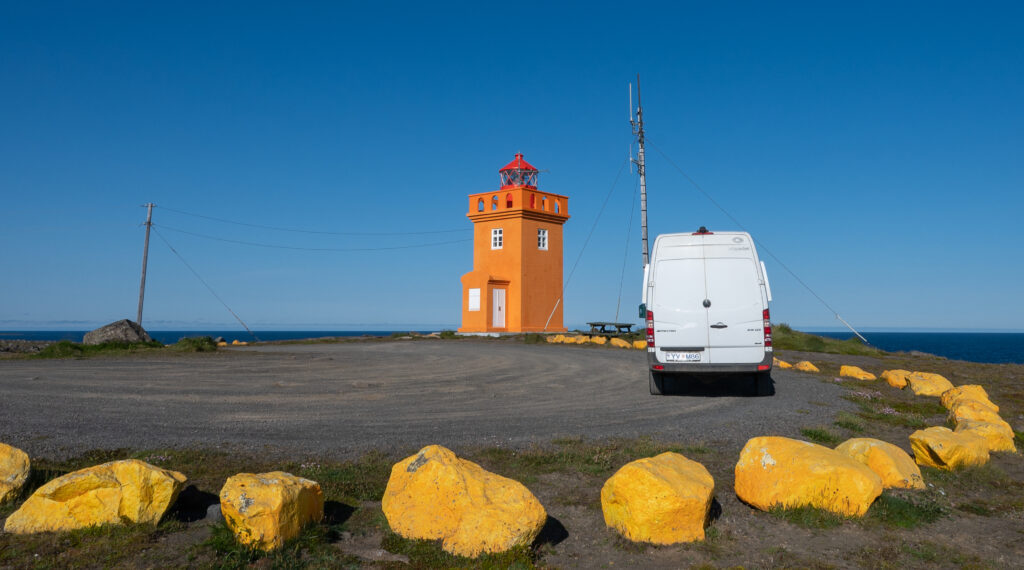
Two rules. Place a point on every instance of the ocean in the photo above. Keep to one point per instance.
(998, 348)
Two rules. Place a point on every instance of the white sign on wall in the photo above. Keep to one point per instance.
(474, 300)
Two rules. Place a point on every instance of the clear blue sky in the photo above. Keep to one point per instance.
(874, 147)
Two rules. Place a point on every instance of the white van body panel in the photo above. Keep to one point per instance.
(708, 293)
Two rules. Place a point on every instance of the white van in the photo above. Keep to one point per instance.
(706, 300)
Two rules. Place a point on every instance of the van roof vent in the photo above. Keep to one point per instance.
(703, 231)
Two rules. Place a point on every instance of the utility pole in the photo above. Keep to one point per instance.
(145, 258)
(638, 131)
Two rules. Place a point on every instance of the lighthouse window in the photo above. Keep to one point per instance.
(508, 200)
(474, 300)
(496, 238)
(542, 239)
(480, 205)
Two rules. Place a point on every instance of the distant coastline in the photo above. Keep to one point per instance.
(986, 347)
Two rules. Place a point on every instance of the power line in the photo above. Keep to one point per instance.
(759, 243)
(586, 241)
(340, 249)
(207, 285)
(302, 231)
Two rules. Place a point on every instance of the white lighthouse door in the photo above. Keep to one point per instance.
(498, 316)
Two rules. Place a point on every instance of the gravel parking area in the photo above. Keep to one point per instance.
(342, 400)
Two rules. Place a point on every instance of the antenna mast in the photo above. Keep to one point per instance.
(638, 131)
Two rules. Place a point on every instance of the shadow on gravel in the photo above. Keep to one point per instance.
(336, 513)
(551, 533)
(716, 385)
(192, 504)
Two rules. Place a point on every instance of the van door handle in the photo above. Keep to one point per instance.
(719, 326)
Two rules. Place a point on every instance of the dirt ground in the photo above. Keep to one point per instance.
(301, 402)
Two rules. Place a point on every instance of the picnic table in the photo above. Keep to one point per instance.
(604, 327)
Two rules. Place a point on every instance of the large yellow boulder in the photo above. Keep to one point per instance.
(928, 384)
(14, 470)
(578, 339)
(435, 495)
(941, 448)
(783, 472)
(998, 435)
(555, 339)
(662, 500)
(896, 378)
(640, 344)
(618, 342)
(805, 366)
(598, 339)
(781, 363)
(965, 409)
(113, 493)
(855, 372)
(889, 462)
(264, 510)
(966, 392)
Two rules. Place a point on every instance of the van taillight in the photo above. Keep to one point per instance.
(767, 329)
(650, 329)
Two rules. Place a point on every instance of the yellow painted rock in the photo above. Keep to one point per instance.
(928, 384)
(222, 343)
(778, 471)
(889, 462)
(555, 339)
(640, 344)
(266, 509)
(435, 495)
(578, 339)
(597, 339)
(896, 378)
(998, 435)
(112, 493)
(855, 372)
(618, 342)
(781, 363)
(940, 447)
(973, 410)
(14, 469)
(805, 366)
(662, 500)
(966, 392)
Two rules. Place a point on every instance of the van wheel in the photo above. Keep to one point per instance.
(657, 381)
(765, 386)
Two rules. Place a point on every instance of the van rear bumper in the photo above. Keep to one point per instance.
(700, 368)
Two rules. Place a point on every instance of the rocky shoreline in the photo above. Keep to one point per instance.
(23, 346)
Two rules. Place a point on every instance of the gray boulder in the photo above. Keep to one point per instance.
(120, 331)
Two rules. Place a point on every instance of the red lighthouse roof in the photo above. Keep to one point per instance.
(518, 173)
(519, 164)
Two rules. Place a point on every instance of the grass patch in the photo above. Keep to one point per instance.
(575, 455)
(848, 421)
(195, 344)
(785, 337)
(428, 554)
(313, 544)
(533, 338)
(448, 334)
(905, 510)
(821, 436)
(808, 517)
(68, 349)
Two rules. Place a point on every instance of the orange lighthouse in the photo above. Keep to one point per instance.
(516, 282)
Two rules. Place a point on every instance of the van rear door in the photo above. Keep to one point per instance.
(735, 314)
(680, 320)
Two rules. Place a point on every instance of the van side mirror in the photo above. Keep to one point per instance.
(643, 310)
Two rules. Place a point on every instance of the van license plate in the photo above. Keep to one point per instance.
(682, 357)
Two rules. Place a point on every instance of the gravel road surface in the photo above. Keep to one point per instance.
(341, 400)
